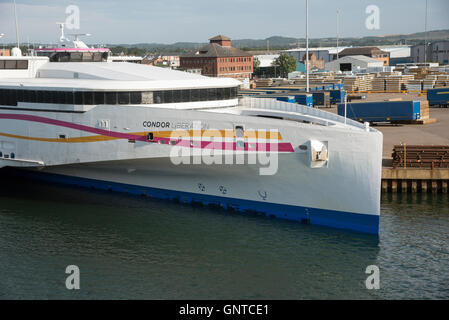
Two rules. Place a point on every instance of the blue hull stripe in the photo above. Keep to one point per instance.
(365, 223)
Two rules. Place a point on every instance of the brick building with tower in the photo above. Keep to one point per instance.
(219, 59)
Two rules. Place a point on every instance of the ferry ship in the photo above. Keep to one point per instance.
(70, 115)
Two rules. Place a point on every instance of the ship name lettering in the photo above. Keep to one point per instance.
(156, 124)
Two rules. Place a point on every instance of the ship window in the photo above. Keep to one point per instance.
(11, 98)
(239, 132)
(203, 94)
(19, 95)
(88, 98)
(39, 96)
(123, 97)
(168, 96)
(87, 56)
(29, 96)
(227, 93)
(195, 95)
(22, 64)
(47, 96)
(212, 94)
(97, 56)
(158, 97)
(2, 64)
(10, 64)
(185, 95)
(233, 92)
(60, 97)
(76, 56)
(2, 97)
(177, 96)
(63, 57)
(111, 97)
(69, 97)
(78, 97)
(136, 97)
(220, 94)
(98, 97)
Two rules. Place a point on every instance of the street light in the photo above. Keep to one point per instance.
(307, 46)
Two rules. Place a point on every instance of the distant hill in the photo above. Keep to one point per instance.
(279, 42)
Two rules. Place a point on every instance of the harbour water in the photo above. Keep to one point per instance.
(129, 247)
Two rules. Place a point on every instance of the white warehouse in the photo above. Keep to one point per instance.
(353, 63)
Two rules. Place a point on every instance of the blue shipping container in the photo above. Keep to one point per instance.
(286, 99)
(438, 96)
(382, 111)
(305, 99)
(337, 96)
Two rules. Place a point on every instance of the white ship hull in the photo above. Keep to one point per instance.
(122, 126)
(343, 194)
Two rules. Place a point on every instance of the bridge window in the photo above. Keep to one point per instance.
(98, 97)
(10, 97)
(111, 97)
(123, 97)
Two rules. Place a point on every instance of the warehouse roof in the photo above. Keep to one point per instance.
(360, 51)
(359, 58)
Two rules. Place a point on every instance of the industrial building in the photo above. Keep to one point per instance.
(371, 52)
(436, 52)
(353, 63)
(397, 53)
(219, 59)
(327, 54)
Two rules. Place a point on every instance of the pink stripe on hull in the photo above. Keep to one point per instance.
(280, 147)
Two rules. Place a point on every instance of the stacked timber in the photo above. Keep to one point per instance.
(393, 83)
(414, 85)
(419, 73)
(424, 110)
(379, 84)
(264, 83)
(357, 83)
(442, 81)
(428, 84)
(419, 156)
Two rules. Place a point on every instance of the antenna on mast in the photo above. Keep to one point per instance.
(61, 25)
(16, 52)
(17, 25)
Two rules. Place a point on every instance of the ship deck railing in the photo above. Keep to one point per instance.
(273, 104)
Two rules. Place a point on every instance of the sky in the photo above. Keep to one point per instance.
(170, 21)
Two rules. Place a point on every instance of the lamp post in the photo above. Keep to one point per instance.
(425, 35)
(307, 46)
(337, 31)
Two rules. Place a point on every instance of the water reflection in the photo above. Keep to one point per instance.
(132, 247)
